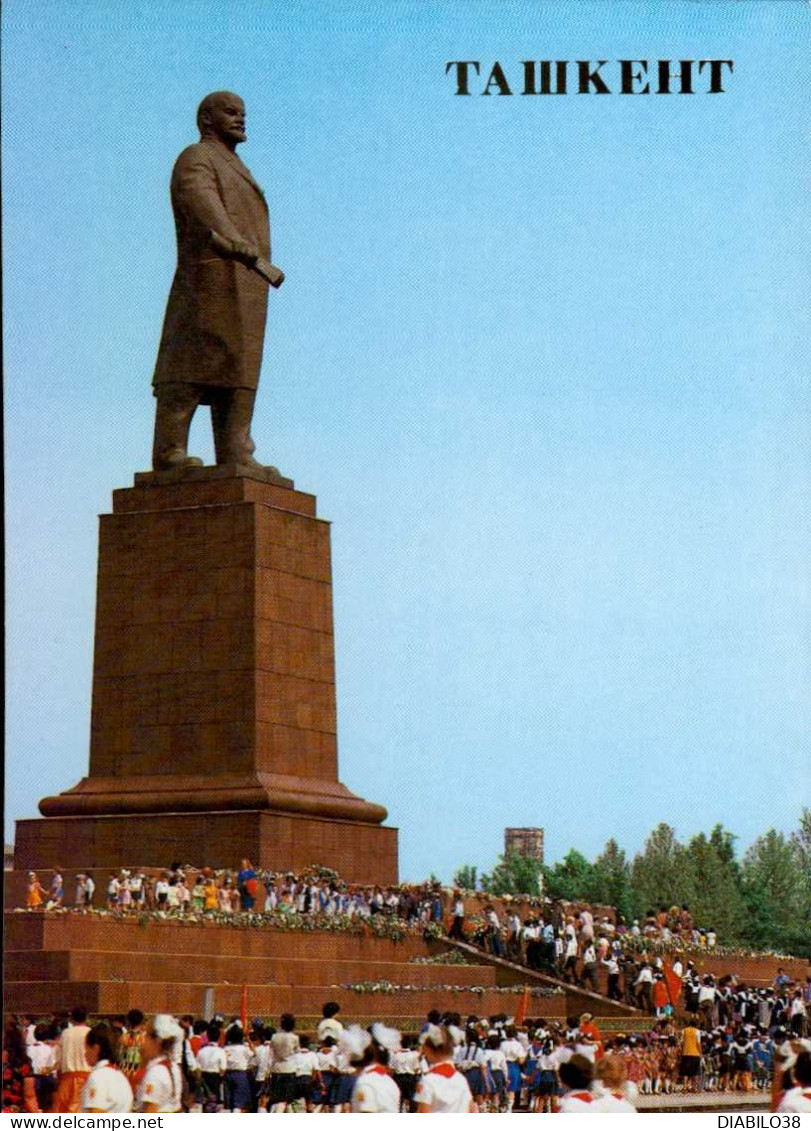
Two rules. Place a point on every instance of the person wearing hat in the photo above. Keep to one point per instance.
(374, 1090)
(161, 1088)
(442, 1089)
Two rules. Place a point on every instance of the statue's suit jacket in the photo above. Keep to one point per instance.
(215, 318)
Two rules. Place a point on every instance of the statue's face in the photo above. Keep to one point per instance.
(226, 119)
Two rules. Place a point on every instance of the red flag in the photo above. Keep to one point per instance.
(245, 1010)
(521, 1012)
(673, 982)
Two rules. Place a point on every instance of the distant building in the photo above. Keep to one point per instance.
(525, 842)
(8, 857)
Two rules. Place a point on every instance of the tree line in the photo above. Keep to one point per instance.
(762, 900)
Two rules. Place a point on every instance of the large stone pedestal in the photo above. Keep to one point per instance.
(213, 726)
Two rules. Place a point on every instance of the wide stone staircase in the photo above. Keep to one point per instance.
(578, 1000)
(54, 960)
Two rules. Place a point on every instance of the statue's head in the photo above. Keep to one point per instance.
(222, 115)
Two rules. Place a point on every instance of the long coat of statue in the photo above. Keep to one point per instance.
(215, 318)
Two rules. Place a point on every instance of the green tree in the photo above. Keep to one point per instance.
(723, 841)
(716, 900)
(571, 878)
(611, 879)
(466, 877)
(513, 875)
(662, 874)
(773, 891)
(802, 847)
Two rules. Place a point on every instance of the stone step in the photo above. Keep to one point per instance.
(104, 966)
(73, 931)
(509, 972)
(268, 1001)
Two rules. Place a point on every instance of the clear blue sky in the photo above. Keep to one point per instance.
(544, 361)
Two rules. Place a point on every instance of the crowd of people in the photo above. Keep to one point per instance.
(643, 965)
(184, 890)
(734, 1037)
(555, 937)
(490, 1064)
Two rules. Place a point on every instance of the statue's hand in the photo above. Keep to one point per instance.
(275, 276)
(243, 251)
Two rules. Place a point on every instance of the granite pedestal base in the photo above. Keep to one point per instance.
(359, 852)
(213, 731)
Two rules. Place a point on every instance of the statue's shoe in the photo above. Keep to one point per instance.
(177, 460)
(254, 465)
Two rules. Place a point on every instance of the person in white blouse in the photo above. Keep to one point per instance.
(611, 1088)
(284, 1045)
(442, 1089)
(239, 1058)
(405, 1066)
(577, 1076)
(306, 1072)
(327, 1071)
(106, 1088)
(212, 1062)
(797, 1100)
(497, 1072)
(161, 1088)
(457, 930)
(263, 1057)
(329, 1025)
(706, 1002)
(374, 1089)
(43, 1056)
(515, 1054)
